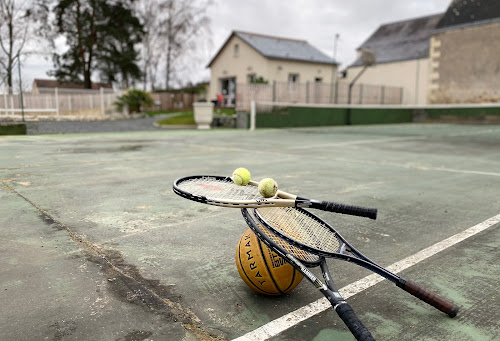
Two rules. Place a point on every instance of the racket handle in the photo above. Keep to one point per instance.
(352, 322)
(429, 297)
(346, 209)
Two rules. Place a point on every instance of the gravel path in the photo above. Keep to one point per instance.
(75, 127)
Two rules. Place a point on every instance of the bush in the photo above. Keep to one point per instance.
(134, 100)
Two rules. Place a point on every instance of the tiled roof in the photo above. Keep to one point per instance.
(49, 83)
(402, 40)
(280, 48)
(284, 48)
(463, 12)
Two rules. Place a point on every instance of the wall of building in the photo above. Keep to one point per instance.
(465, 65)
(412, 76)
(227, 65)
(279, 70)
(248, 61)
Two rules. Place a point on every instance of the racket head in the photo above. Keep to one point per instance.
(302, 229)
(280, 246)
(220, 191)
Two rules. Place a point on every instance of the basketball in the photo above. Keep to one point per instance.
(263, 270)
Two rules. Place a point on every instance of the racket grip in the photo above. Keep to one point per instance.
(429, 297)
(347, 209)
(352, 322)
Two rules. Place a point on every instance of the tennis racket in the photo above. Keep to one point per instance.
(222, 191)
(300, 260)
(308, 232)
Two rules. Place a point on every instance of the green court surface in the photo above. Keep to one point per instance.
(94, 245)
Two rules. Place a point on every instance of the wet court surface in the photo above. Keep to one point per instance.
(94, 245)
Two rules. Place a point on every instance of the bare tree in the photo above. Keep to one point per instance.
(15, 20)
(183, 24)
(149, 12)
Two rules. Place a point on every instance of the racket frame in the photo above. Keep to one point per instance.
(328, 289)
(281, 199)
(355, 256)
(358, 258)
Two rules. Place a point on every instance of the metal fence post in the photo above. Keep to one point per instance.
(307, 92)
(253, 113)
(274, 91)
(21, 99)
(101, 90)
(5, 102)
(56, 92)
(382, 95)
(336, 100)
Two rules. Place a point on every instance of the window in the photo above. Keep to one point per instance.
(252, 77)
(236, 50)
(318, 79)
(293, 78)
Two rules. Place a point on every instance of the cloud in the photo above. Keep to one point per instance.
(317, 21)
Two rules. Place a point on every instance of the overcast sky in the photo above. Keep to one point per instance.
(317, 21)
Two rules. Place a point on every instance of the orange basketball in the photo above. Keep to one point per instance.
(263, 270)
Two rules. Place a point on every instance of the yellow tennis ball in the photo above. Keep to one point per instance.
(241, 176)
(268, 187)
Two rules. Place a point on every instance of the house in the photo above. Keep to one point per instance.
(464, 53)
(246, 58)
(402, 57)
(444, 58)
(42, 86)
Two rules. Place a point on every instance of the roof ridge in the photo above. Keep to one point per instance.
(411, 19)
(269, 36)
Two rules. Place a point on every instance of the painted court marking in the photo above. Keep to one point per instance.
(289, 320)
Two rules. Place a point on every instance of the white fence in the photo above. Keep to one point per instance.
(316, 93)
(58, 103)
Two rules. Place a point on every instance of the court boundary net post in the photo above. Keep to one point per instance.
(253, 113)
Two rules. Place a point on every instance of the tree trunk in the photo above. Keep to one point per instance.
(9, 76)
(87, 82)
(169, 53)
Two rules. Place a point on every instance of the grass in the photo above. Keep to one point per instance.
(227, 111)
(186, 117)
(13, 129)
(161, 112)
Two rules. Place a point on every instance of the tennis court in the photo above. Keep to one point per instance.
(96, 246)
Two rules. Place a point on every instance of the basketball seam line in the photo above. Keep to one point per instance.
(267, 267)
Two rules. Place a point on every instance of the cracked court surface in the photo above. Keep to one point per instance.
(95, 245)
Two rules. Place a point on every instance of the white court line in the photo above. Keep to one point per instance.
(289, 320)
(393, 139)
(348, 143)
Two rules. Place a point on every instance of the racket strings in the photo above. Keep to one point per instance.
(302, 228)
(295, 251)
(215, 188)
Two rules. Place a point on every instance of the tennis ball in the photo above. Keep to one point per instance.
(241, 176)
(268, 187)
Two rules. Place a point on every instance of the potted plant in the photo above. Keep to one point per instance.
(203, 114)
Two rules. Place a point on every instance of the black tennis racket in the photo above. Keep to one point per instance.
(300, 260)
(222, 191)
(308, 232)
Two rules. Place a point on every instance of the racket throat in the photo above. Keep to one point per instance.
(303, 202)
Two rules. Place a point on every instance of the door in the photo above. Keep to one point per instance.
(228, 89)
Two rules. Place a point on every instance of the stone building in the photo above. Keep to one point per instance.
(465, 53)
